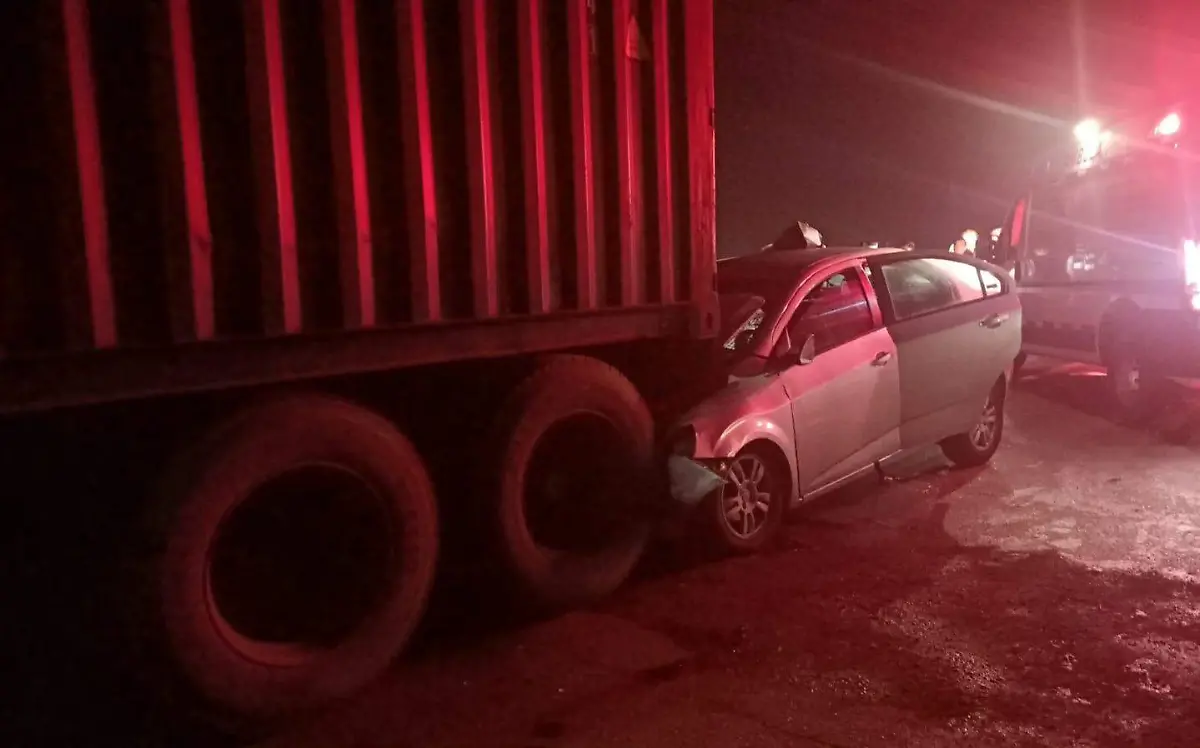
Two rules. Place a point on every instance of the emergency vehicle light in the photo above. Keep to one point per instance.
(1191, 270)
(1169, 125)
(1088, 131)
(1091, 137)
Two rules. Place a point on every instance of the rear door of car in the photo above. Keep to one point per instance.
(957, 328)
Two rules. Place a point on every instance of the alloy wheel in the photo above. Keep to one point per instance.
(746, 500)
(984, 433)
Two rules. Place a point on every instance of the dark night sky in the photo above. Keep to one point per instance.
(914, 119)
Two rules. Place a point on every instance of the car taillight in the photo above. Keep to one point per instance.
(1191, 271)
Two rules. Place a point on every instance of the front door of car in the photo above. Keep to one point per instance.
(846, 400)
(954, 340)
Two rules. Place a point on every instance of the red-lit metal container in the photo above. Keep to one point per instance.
(203, 193)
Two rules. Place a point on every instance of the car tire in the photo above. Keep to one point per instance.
(976, 447)
(284, 474)
(1135, 392)
(572, 466)
(737, 519)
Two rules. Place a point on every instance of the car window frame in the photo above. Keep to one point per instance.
(858, 265)
(885, 296)
(1000, 276)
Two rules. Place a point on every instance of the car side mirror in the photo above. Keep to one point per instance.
(808, 351)
(788, 353)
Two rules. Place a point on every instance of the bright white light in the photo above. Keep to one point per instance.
(1091, 138)
(1169, 125)
(996, 234)
(1088, 131)
(1191, 269)
(1191, 261)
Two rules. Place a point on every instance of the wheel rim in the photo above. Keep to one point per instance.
(747, 497)
(1128, 380)
(984, 433)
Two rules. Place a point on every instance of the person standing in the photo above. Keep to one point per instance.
(970, 242)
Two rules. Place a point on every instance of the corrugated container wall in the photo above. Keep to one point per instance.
(192, 170)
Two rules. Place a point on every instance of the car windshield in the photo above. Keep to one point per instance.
(741, 316)
(747, 301)
(775, 290)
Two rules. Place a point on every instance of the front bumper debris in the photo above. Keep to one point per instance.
(691, 481)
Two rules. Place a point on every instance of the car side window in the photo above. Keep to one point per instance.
(992, 285)
(835, 312)
(924, 285)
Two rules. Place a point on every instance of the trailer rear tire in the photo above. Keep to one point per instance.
(298, 544)
(573, 457)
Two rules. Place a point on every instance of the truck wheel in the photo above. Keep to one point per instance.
(1134, 390)
(573, 456)
(298, 544)
(977, 446)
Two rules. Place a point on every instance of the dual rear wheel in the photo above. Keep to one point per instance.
(297, 542)
(295, 545)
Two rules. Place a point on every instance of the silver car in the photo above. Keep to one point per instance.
(839, 361)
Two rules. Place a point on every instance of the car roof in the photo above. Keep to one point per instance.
(772, 262)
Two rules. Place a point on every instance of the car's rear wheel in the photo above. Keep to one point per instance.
(747, 511)
(1019, 365)
(976, 446)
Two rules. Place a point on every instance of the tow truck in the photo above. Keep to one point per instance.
(1106, 259)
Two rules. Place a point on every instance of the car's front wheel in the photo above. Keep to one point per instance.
(976, 446)
(747, 511)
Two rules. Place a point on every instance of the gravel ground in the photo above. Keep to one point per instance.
(1048, 599)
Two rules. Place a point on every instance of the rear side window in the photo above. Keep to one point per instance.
(924, 285)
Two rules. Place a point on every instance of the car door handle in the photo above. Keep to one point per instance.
(993, 321)
(882, 358)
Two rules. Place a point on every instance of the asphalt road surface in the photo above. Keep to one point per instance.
(1049, 599)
